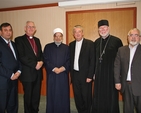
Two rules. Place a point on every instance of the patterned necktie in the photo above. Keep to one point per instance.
(10, 47)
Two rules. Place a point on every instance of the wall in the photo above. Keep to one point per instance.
(48, 18)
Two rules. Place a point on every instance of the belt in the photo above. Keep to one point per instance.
(129, 82)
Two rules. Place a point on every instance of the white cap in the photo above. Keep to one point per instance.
(57, 30)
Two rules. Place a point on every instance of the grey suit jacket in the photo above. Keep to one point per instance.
(121, 69)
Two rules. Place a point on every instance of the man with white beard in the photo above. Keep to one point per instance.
(105, 99)
(127, 72)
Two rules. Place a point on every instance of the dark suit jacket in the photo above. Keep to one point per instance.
(86, 59)
(121, 69)
(8, 64)
(28, 58)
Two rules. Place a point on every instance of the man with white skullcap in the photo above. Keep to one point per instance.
(56, 59)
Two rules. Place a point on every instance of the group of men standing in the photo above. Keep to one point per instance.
(102, 61)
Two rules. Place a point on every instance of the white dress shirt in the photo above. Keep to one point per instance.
(77, 53)
(132, 52)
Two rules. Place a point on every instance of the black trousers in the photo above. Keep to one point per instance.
(32, 96)
(82, 93)
(131, 101)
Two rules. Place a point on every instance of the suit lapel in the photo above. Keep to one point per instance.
(73, 49)
(137, 53)
(8, 49)
(83, 47)
(127, 56)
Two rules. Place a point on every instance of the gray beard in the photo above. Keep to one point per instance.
(58, 43)
(133, 43)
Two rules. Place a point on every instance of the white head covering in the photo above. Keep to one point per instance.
(57, 30)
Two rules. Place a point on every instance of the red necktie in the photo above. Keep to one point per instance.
(10, 47)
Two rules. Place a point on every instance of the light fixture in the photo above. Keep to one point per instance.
(88, 2)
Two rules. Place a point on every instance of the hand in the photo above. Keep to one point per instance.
(39, 65)
(88, 80)
(118, 86)
(59, 70)
(15, 76)
(56, 70)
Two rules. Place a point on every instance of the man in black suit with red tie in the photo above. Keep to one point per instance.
(30, 53)
(10, 70)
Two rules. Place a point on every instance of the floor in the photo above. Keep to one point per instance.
(43, 105)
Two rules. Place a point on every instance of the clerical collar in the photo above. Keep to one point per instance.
(29, 37)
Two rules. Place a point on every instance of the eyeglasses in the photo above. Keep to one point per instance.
(134, 35)
(33, 27)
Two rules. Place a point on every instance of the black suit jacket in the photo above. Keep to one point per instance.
(28, 58)
(8, 64)
(86, 59)
(121, 69)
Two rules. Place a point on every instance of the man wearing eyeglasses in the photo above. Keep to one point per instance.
(127, 72)
(30, 53)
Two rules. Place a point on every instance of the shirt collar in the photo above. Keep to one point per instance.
(131, 47)
(80, 41)
(6, 40)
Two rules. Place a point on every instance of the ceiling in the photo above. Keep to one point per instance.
(19, 3)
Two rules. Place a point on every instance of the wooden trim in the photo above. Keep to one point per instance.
(29, 7)
(101, 10)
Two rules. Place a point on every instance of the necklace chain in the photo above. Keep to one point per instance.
(103, 52)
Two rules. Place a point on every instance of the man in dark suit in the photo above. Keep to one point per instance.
(30, 53)
(82, 69)
(10, 70)
(127, 72)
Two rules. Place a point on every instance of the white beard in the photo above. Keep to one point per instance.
(133, 43)
(105, 35)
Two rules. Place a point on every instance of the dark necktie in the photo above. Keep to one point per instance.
(9, 46)
(11, 49)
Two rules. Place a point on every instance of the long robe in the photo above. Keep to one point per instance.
(58, 99)
(105, 99)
